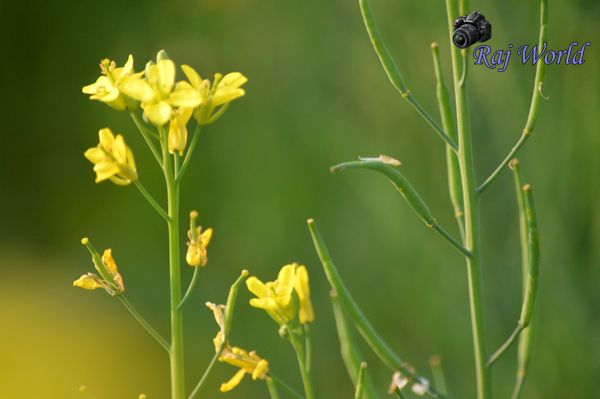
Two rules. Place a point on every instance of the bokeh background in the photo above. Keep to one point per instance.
(316, 96)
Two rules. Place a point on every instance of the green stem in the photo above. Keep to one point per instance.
(471, 209)
(200, 383)
(304, 371)
(188, 154)
(151, 201)
(358, 393)
(445, 107)
(536, 99)
(176, 359)
(505, 346)
(191, 287)
(362, 324)
(393, 73)
(146, 134)
(349, 349)
(307, 349)
(437, 372)
(291, 391)
(143, 322)
(272, 388)
(526, 337)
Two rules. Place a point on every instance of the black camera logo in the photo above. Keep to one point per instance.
(470, 29)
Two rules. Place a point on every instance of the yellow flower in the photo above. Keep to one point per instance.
(275, 297)
(108, 277)
(177, 138)
(112, 159)
(223, 90)
(158, 93)
(107, 87)
(196, 253)
(248, 362)
(306, 314)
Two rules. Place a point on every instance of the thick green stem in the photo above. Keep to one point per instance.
(176, 354)
(471, 209)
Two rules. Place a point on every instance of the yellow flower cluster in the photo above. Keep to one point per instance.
(162, 98)
(108, 277)
(112, 159)
(247, 362)
(277, 297)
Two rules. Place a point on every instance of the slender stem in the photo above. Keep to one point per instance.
(536, 99)
(151, 200)
(505, 346)
(377, 344)
(188, 154)
(446, 113)
(393, 73)
(351, 354)
(176, 359)
(471, 208)
(272, 388)
(526, 337)
(307, 349)
(453, 241)
(146, 134)
(200, 383)
(191, 287)
(304, 371)
(437, 371)
(285, 386)
(358, 392)
(143, 322)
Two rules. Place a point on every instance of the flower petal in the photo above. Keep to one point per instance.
(233, 382)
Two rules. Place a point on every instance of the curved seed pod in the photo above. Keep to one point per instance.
(533, 258)
(386, 165)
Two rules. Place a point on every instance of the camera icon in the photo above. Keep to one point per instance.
(470, 29)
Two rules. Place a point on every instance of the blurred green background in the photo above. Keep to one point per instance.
(316, 96)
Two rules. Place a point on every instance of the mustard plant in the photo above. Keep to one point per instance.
(455, 131)
(162, 108)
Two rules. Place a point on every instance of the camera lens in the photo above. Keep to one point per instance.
(465, 36)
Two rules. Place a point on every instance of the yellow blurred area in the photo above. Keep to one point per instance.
(55, 338)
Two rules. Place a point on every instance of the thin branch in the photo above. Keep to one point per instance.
(536, 99)
(285, 386)
(505, 346)
(143, 322)
(206, 373)
(151, 201)
(147, 134)
(393, 73)
(188, 154)
(190, 289)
